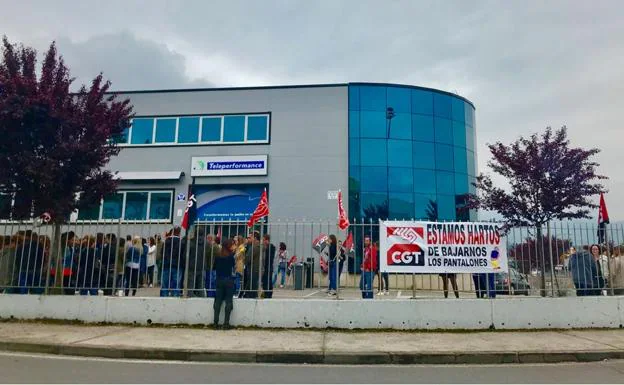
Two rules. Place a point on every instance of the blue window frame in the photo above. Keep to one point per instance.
(233, 128)
(442, 105)
(354, 124)
(373, 124)
(459, 134)
(444, 157)
(422, 102)
(400, 127)
(424, 155)
(374, 179)
(354, 152)
(460, 160)
(400, 179)
(458, 110)
(136, 206)
(443, 131)
(373, 152)
(445, 182)
(112, 206)
(425, 207)
(422, 128)
(142, 131)
(166, 130)
(401, 206)
(211, 129)
(424, 181)
(399, 98)
(399, 153)
(188, 130)
(446, 207)
(373, 98)
(257, 128)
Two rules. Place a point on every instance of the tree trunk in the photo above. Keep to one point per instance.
(56, 253)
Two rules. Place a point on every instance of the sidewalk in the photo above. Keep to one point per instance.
(309, 346)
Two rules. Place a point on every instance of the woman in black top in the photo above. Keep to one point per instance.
(224, 267)
(333, 265)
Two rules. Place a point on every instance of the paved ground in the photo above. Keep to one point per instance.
(20, 368)
(308, 346)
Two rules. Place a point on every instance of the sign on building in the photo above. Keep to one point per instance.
(441, 247)
(229, 165)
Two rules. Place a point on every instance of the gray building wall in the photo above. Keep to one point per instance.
(308, 150)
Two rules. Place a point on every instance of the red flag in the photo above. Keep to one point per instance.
(219, 235)
(343, 222)
(603, 215)
(348, 243)
(190, 214)
(261, 211)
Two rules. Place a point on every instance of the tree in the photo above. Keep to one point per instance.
(548, 180)
(55, 143)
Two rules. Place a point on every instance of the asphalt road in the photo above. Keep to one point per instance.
(24, 368)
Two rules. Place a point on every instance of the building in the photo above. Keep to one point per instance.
(395, 151)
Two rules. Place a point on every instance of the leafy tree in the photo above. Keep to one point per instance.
(548, 180)
(54, 143)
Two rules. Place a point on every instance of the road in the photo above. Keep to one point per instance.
(22, 368)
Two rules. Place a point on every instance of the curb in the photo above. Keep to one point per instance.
(315, 357)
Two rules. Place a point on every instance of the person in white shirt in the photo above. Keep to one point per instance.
(151, 261)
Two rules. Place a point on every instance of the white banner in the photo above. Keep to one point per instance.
(441, 247)
(229, 165)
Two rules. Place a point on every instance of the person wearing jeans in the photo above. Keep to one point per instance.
(224, 271)
(173, 264)
(282, 262)
(369, 265)
(332, 268)
(133, 266)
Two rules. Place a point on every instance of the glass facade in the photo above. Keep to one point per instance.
(418, 164)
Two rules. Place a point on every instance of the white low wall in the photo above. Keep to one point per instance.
(512, 313)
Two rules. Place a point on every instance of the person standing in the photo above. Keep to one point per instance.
(151, 262)
(213, 251)
(224, 272)
(173, 264)
(368, 268)
(241, 246)
(252, 266)
(282, 262)
(584, 270)
(197, 263)
(616, 267)
(601, 273)
(332, 268)
(133, 265)
(268, 259)
(445, 279)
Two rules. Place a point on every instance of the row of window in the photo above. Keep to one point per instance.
(410, 101)
(406, 206)
(373, 124)
(405, 153)
(396, 179)
(131, 206)
(225, 129)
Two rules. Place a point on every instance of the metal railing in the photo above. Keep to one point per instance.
(157, 260)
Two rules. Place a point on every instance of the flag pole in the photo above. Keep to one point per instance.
(187, 244)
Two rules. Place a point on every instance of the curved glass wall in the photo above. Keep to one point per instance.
(417, 162)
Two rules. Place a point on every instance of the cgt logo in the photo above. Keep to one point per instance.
(405, 255)
(408, 234)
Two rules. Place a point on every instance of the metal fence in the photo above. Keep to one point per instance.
(154, 259)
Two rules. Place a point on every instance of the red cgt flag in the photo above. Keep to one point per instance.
(343, 222)
(261, 211)
(603, 214)
(348, 243)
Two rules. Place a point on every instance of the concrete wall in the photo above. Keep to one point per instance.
(473, 314)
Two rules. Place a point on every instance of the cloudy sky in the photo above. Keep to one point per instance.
(525, 64)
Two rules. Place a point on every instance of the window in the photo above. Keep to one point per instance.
(443, 131)
(422, 128)
(425, 207)
(399, 99)
(444, 157)
(373, 98)
(460, 162)
(400, 153)
(131, 206)
(442, 105)
(142, 130)
(459, 134)
(373, 152)
(424, 181)
(469, 114)
(446, 207)
(354, 152)
(354, 124)
(234, 129)
(401, 206)
(470, 159)
(166, 130)
(374, 179)
(374, 205)
(445, 182)
(136, 206)
(123, 137)
(257, 128)
(354, 98)
(211, 129)
(400, 179)
(112, 206)
(188, 130)
(458, 110)
(422, 102)
(400, 127)
(461, 184)
(470, 138)
(424, 155)
(373, 124)
(225, 129)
